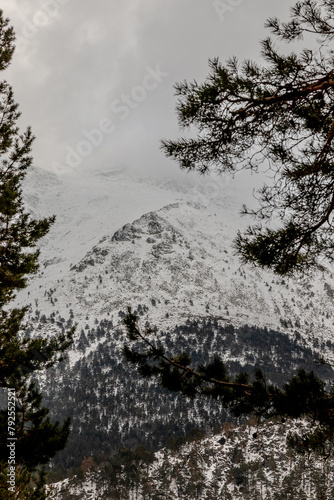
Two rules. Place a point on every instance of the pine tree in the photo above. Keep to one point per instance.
(280, 115)
(302, 396)
(34, 439)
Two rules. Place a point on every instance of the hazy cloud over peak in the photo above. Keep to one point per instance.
(95, 79)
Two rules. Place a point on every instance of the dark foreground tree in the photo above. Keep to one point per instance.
(24, 423)
(303, 396)
(280, 115)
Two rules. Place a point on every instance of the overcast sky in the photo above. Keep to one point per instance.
(94, 78)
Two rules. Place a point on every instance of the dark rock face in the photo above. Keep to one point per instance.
(127, 233)
(149, 224)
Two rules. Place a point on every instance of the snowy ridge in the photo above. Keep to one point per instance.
(97, 259)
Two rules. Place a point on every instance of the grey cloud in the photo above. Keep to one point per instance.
(91, 54)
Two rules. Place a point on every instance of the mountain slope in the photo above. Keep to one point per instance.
(164, 247)
(99, 259)
(242, 463)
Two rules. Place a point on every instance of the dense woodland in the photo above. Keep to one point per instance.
(111, 407)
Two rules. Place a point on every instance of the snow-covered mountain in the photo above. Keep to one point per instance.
(119, 240)
(165, 247)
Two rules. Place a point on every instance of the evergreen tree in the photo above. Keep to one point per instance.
(33, 437)
(302, 396)
(281, 115)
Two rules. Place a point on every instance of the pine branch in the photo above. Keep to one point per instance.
(131, 320)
